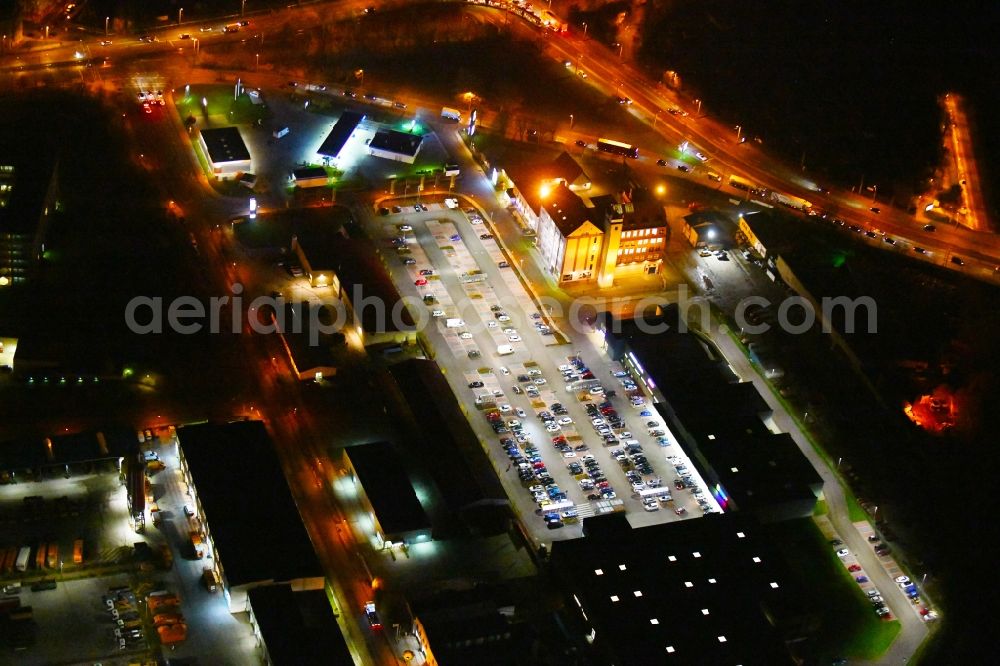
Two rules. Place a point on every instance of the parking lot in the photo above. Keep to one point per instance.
(570, 434)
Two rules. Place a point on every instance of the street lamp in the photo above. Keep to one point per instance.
(256, 61)
(584, 29)
(698, 102)
(180, 16)
(657, 116)
(571, 121)
(739, 133)
(107, 19)
(243, 7)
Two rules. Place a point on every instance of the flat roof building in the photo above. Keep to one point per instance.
(391, 144)
(721, 423)
(387, 493)
(340, 134)
(238, 489)
(355, 275)
(296, 628)
(458, 466)
(687, 592)
(226, 150)
(310, 176)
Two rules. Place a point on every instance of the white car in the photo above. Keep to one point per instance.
(514, 338)
(506, 408)
(492, 324)
(510, 331)
(650, 505)
(569, 454)
(476, 220)
(843, 552)
(597, 390)
(503, 318)
(597, 421)
(565, 420)
(520, 412)
(903, 580)
(465, 335)
(437, 313)
(405, 227)
(451, 203)
(625, 435)
(504, 370)
(539, 381)
(565, 368)
(552, 427)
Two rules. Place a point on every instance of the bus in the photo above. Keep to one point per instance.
(617, 148)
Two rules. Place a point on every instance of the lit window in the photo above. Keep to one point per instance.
(774, 586)
(711, 580)
(757, 560)
(739, 534)
(638, 593)
(670, 648)
(688, 583)
(696, 554)
(614, 598)
(599, 572)
(621, 567)
(722, 639)
(671, 558)
(704, 611)
(653, 620)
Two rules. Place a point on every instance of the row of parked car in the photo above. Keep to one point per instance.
(123, 609)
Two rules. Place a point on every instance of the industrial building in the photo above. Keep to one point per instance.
(296, 628)
(387, 494)
(701, 591)
(723, 425)
(226, 151)
(229, 468)
(473, 500)
(356, 277)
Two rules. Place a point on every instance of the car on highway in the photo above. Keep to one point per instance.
(958, 261)
(843, 552)
(683, 167)
(581, 143)
(929, 227)
(875, 209)
(919, 250)
(106, 42)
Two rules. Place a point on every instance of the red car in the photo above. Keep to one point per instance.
(854, 567)
(420, 282)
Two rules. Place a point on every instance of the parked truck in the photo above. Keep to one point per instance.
(451, 114)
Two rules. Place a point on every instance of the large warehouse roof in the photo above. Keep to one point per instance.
(298, 628)
(247, 504)
(380, 472)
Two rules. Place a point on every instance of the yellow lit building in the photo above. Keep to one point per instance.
(597, 239)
